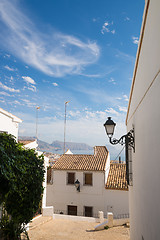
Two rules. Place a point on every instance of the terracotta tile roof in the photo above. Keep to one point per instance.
(96, 162)
(24, 142)
(117, 177)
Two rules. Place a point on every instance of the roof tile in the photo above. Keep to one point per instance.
(96, 162)
(117, 177)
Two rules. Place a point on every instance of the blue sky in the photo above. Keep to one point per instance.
(68, 50)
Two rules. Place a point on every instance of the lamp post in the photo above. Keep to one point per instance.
(37, 108)
(127, 140)
(65, 125)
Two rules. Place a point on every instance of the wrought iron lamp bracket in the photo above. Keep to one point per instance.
(127, 139)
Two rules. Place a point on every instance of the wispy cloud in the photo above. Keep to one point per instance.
(8, 88)
(91, 75)
(124, 56)
(9, 68)
(135, 40)
(112, 80)
(28, 103)
(122, 109)
(126, 98)
(7, 55)
(32, 88)
(127, 19)
(53, 53)
(106, 28)
(16, 102)
(55, 84)
(5, 94)
(28, 80)
(112, 111)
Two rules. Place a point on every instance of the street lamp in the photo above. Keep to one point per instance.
(127, 140)
(37, 108)
(77, 185)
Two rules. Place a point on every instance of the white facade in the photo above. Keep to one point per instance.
(144, 114)
(9, 123)
(32, 145)
(60, 194)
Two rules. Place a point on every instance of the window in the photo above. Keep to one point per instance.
(88, 179)
(88, 211)
(49, 176)
(72, 210)
(70, 178)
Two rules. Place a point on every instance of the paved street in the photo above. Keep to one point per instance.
(48, 229)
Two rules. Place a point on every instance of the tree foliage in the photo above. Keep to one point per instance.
(21, 177)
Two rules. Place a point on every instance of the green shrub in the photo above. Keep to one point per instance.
(106, 227)
(21, 178)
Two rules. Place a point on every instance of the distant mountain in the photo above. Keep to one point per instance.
(58, 145)
(71, 145)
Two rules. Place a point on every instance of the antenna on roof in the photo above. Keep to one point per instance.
(65, 125)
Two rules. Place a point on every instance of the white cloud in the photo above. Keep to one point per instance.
(122, 109)
(55, 84)
(52, 53)
(32, 88)
(17, 102)
(135, 40)
(127, 19)
(7, 55)
(112, 111)
(124, 56)
(29, 103)
(9, 68)
(5, 94)
(112, 80)
(91, 75)
(106, 28)
(28, 80)
(113, 31)
(125, 98)
(90, 130)
(8, 88)
(118, 98)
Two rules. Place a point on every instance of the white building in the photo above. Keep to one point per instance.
(101, 187)
(144, 114)
(9, 123)
(29, 144)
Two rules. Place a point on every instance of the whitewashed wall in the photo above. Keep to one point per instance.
(32, 145)
(9, 123)
(60, 194)
(144, 113)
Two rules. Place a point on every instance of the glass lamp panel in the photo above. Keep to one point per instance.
(109, 129)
